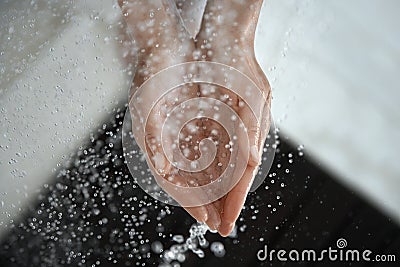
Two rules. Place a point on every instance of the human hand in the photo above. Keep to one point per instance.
(159, 41)
(227, 36)
(229, 42)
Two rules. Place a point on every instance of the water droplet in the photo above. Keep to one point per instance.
(178, 238)
(218, 249)
(157, 247)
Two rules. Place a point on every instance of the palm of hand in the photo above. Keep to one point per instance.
(224, 47)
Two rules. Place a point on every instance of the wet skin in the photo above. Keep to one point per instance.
(226, 35)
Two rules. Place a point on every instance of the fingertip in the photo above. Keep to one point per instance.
(203, 215)
(204, 218)
(234, 204)
(200, 214)
(214, 219)
(226, 228)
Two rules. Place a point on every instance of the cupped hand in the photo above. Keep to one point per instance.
(226, 36)
(159, 41)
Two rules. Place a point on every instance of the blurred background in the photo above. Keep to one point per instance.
(332, 66)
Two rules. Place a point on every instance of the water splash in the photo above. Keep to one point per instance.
(194, 243)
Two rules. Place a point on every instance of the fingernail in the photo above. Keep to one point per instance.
(204, 216)
(214, 219)
(255, 156)
(199, 215)
(226, 229)
(230, 227)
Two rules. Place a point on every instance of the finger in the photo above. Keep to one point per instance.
(200, 213)
(156, 153)
(208, 213)
(218, 206)
(214, 218)
(235, 200)
(153, 144)
(265, 87)
(177, 179)
(204, 177)
(253, 131)
(264, 127)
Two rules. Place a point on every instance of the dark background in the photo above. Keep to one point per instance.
(93, 214)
